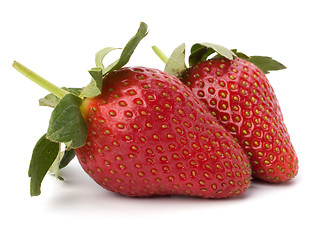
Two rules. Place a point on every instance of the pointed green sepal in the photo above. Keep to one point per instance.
(69, 154)
(54, 169)
(67, 123)
(240, 54)
(50, 100)
(95, 86)
(129, 48)
(101, 55)
(266, 64)
(176, 63)
(44, 154)
(201, 51)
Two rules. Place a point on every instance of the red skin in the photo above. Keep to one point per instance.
(241, 98)
(142, 140)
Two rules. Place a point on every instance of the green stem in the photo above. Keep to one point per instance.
(39, 80)
(160, 54)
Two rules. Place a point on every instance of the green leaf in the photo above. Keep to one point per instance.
(55, 166)
(44, 154)
(176, 63)
(266, 64)
(67, 123)
(69, 154)
(240, 54)
(101, 55)
(51, 100)
(109, 68)
(95, 86)
(199, 53)
(74, 91)
(219, 49)
(129, 48)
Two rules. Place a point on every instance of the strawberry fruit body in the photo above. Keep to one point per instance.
(241, 98)
(149, 135)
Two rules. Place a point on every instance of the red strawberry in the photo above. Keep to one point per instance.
(148, 135)
(138, 132)
(241, 98)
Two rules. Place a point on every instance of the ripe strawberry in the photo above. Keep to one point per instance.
(138, 132)
(149, 135)
(241, 98)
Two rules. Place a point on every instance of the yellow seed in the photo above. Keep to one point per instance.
(122, 167)
(122, 103)
(129, 114)
(176, 156)
(143, 113)
(219, 176)
(179, 165)
(206, 175)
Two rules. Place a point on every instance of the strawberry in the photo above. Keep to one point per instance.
(138, 132)
(149, 135)
(240, 97)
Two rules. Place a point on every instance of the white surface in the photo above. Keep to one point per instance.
(58, 40)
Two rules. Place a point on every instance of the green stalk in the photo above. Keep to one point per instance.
(39, 80)
(160, 54)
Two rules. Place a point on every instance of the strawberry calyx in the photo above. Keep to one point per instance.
(67, 125)
(199, 52)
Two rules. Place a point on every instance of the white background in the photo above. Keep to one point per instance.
(58, 40)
